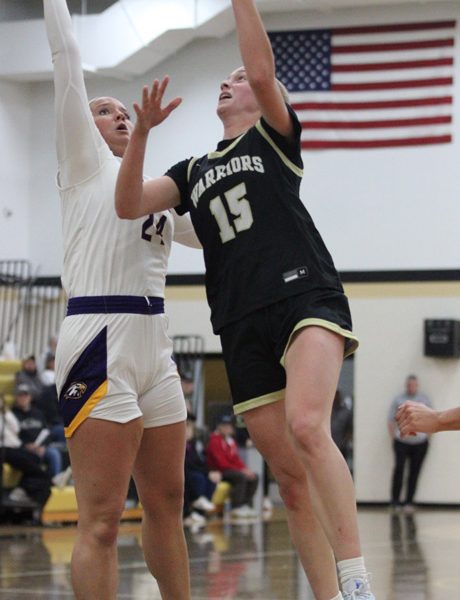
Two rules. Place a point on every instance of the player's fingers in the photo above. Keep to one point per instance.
(137, 109)
(154, 91)
(173, 105)
(145, 96)
(163, 85)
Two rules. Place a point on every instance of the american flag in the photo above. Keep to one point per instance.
(375, 86)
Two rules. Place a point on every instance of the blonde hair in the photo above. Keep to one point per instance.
(93, 100)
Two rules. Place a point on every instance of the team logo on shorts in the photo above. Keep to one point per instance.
(75, 391)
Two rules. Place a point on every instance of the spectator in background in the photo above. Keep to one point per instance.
(29, 376)
(33, 432)
(200, 481)
(342, 425)
(222, 455)
(48, 403)
(48, 376)
(34, 485)
(411, 449)
(244, 441)
(188, 387)
(50, 350)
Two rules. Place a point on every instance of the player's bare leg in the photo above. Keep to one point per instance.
(102, 454)
(268, 431)
(159, 477)
(313, 363)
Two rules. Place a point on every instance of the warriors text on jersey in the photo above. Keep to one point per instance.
(260, 243)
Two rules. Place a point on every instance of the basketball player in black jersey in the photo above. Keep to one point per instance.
(276, 299)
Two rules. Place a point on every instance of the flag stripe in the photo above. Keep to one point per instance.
(400, 27)
(368, 144)
(376, 115)
(376, 124)
(395, 56)
(373, 95)
(389, 76)
(377, 105)
(388, 47)
(373, 86)
(385, 66)
(391, 85)
(388, 133)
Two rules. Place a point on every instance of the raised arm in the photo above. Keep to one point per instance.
(135, 198)
(414, 417)
(78, 141)
(184, 233)
(258, 60)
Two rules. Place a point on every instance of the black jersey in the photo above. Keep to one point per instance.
(260, 243)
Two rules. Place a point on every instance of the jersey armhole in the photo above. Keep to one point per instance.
(264, 133)
(190, 167)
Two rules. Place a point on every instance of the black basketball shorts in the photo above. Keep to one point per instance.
(254, 347)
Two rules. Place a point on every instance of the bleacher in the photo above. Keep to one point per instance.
(31, 311)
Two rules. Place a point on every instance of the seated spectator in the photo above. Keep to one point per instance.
(50, 350)
(34, 487)
(244, 441)
(188, 388)
(48, 404)
(29, 376)
(48, 376)
(222, 455)
(33, 432)
(200, 482)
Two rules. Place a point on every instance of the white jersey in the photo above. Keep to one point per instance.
(103, 255)
(119, 366)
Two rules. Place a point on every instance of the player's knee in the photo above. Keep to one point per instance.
(104, 530)
(164, 501)
(308, 434)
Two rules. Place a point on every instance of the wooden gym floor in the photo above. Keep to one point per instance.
(411, 557)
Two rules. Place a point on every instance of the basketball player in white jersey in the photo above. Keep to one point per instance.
(119, 390)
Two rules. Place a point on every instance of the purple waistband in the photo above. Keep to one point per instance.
(138, 305)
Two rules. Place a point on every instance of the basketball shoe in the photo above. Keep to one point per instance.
(357, 589)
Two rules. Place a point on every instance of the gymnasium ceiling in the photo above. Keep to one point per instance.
(146, 32)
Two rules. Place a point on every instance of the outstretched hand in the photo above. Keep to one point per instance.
(413, 417)
(151, 113)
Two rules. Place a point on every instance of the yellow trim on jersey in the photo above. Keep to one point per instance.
(294, 168)
(82, 415)
(260, 401)
(351, 344)
(220, 153)
(190, 167)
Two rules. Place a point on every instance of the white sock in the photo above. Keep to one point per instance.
(352, 568)
(338, 597)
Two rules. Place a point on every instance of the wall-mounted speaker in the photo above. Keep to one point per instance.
(442, 338)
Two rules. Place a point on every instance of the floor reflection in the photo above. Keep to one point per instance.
(226, 562)
(411, 557)
(410, 571)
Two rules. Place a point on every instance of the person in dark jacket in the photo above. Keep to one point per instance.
(200, 481)
(34, 487)
(29, 376)
(33, 432)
